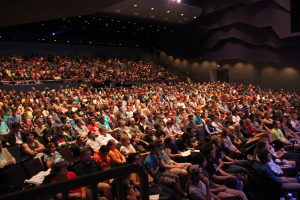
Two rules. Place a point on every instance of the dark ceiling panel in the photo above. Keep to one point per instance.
(14, 12)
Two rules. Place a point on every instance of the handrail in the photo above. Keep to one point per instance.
(90, 180)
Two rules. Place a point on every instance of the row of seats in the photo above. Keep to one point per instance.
(13, 176)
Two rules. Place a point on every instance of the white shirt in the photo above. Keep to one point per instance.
(105, 138)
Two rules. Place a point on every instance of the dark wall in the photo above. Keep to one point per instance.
(253, 30)
(270, 75)
(28, 49)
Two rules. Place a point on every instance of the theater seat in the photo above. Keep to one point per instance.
(33, 167)
(14, 176)
(15, 151)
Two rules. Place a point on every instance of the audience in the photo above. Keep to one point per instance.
(241, 130)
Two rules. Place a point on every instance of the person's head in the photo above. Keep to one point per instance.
(207, 148)
(131, 121)
(135, 138)
(92, 134)
(202, 159)
(104, 150)
(134, 158)
(216, 140)
(277, 124)
(29, 135)
(86, 155)
(102, 130)
(153, 148)
(111, 144)
(60, 169)
(208, 121)
(92, 120)
(40, 121)
(264, 155)
(125, 141)
(196, 175)
(50, 148)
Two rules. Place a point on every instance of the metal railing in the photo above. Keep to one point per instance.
(90, 181)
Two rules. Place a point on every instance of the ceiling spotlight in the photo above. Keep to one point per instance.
(182, 14)
(152, 8)
(53, 34)
(90, 42)
(195, 17)
(135, 5)
(118, 11)
(42, 39)
(54, 40)
(168, 11)
(178, 1)
(68, 41)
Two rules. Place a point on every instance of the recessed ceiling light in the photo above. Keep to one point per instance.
(152, 16)
(182, 14)
(54, 40)
(68, 41)
(135, 5)
(136, 14)
(42, 39)
(178, 1)
(90, 42)
(168, 11)
(195, 17)
(118, 10)
(152, 8)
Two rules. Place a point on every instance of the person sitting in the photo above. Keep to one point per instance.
(5, 157)
(32, 147)
(273, 184)
(102, 158)
(59, 172)
(51, 155)
(126, 147)
(161, 175)
(116, 157)
(87, 165)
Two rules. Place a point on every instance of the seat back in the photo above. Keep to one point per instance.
(33, 167)
(15, 151)
(14, 176)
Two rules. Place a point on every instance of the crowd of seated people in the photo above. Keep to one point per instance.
(18, 69)
(201, 141)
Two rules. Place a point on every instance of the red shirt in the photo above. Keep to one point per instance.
(70, 176)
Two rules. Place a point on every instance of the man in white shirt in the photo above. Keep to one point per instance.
(295, 122)
(104, 137)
